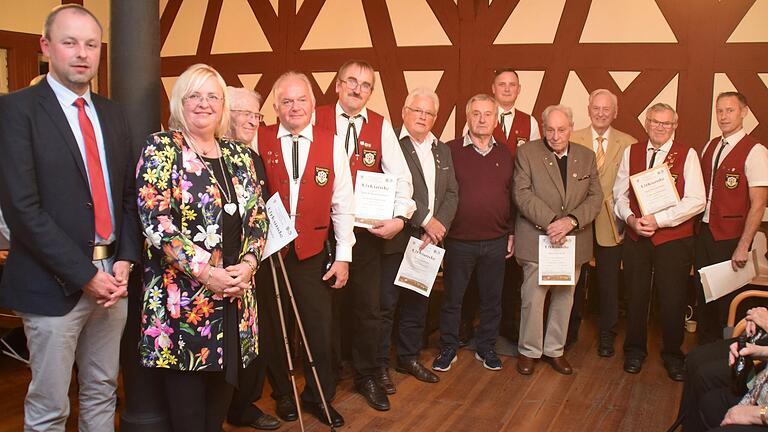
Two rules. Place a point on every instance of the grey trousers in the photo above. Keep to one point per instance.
(533, 342)
(88, 335)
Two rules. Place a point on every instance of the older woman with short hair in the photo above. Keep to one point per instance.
(205, 225)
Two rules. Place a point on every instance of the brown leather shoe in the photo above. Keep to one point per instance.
(385, 381)
(525, 364)
(560, 364)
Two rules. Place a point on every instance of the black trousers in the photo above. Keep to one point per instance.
(706, 370)
(271, 363)
(712, 316)
(359, 305)
(670, 265)
(313, 299)
(197, 401)
(510, 301)
(411, 310)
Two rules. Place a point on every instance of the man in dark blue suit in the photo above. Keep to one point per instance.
(67, 191)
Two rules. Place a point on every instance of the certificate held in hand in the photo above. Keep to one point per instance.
(374, 198)
(557, 263)
(655, 189)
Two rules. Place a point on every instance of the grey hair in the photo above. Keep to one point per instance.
(292, 75)
(482, 97)
(422, 91)
(608, 93)
(658, 107)
(567, 111)
(239, 93)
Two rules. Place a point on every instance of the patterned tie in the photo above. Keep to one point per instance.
(504, 124)
(95, 175)
(600, 153)
(295, 156)
(353, 130)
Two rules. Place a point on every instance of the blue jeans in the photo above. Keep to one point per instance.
(486, 257)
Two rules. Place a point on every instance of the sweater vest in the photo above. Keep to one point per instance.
(520, 131)
(368, 156)
(676, 161)
(313, 209)
(730, 203)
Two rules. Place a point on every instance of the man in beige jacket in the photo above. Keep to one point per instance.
(608, 145)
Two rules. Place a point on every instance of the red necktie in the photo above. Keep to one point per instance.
(95, 174)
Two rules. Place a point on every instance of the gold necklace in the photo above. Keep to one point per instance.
(229, 206)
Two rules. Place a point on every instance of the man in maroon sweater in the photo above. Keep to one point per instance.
(481, 236)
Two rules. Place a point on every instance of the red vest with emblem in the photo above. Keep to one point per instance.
(369, 156)
(676, 161)
(313, 210)
(519, 131)
(730, 192)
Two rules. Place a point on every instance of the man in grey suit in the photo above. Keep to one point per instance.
(557, 191)
(436, 195)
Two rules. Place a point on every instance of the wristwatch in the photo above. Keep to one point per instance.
(573, 221)
(403, 218)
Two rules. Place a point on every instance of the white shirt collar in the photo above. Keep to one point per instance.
(404, 133)
(735, 138)
(664, 148)
(363, 113)
(66, 96)
(501, 111)
(305, 133)
(606, 135)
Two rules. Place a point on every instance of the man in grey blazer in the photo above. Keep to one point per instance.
(435, 192)
(557, 191)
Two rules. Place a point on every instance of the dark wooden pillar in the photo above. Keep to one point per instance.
(135, 84)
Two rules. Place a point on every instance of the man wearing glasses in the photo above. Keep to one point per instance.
(371, 145)
(658, 247)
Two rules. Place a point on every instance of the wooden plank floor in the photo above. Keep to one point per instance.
(599, 396)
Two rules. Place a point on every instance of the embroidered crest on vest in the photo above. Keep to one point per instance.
(369, 157)
(731, 180)
(321, 176)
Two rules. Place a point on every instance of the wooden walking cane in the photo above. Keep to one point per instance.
(303, 339)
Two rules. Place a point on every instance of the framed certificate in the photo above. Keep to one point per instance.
(374, 198)
(654, 189)
(557, 263)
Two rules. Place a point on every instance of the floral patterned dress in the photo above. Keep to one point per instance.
(180, 208)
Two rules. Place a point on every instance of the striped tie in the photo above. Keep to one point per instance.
(600, 154)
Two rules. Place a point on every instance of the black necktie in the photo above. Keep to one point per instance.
(723, 143)
(653, 158)
(503, 123)
(353, 130)
(295, 156)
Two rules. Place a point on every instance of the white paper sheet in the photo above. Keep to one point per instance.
(557, 263)
(281, 230)
(419, 268)
(374, 198)
(720, 279)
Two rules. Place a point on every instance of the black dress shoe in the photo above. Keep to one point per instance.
(676, 371)
(605, 347)
(373, 394)
(286, 408)
(265, 422)
(421, 373)
(633, 365)
(317, 410)
(385, 381)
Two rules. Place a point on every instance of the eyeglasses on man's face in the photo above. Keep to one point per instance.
(353, 84)
(249, 114)
(422, 113)
(663, 124)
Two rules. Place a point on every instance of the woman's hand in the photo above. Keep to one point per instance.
(219, 281)
(742, 415)
(750, 350)
(756, 317)
(241, 275)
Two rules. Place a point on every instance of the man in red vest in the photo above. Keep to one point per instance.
(658, 247)
(515, 127)
(371, 145)
(309, 169)
(735, 169)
